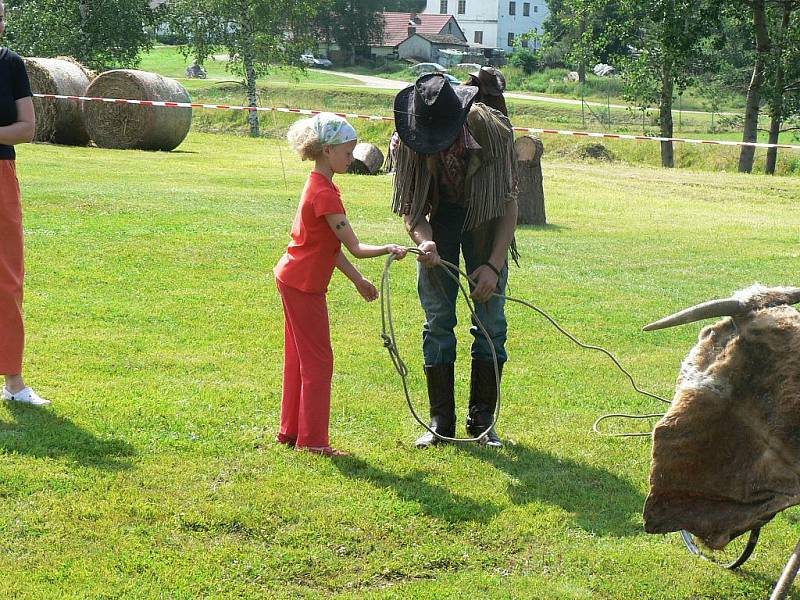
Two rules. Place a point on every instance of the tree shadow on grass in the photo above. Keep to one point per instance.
(434, 500)
(600, 501)
(41, 433)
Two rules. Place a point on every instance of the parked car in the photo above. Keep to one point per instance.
(452, 79)
(427, 67)
(469, 66)
(313, 61)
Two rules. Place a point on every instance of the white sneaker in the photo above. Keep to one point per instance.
(26, 395)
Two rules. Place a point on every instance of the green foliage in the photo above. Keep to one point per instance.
(586, 31)
(100, 34)
(352, 25)
(245, 29)
(525, 59)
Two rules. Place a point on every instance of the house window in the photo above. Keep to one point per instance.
(442, 7)
(524, 43)
(478, 37)
(535, 8)
(510, 38)
(512, 8)
(526, 9)
(462, 6)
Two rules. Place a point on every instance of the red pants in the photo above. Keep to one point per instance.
(12, 271)
(307, 368)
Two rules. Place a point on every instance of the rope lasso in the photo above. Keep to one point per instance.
(390, 343)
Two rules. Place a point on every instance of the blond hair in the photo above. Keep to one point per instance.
(304, 140)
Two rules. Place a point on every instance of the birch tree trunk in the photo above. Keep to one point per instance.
(750, 132)
(665, 113)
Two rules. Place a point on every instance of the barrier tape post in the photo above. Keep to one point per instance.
(306, 111)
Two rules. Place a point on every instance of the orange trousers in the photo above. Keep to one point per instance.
(12, 271)
(307, 368)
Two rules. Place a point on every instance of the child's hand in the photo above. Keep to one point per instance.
(398, 251)
(368, 291)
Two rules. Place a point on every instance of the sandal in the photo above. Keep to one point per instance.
(323, 450)
(287, 440)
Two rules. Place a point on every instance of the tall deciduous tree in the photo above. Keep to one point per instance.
(352, 24)
(670, 34)
(586, 31)
(783, 88)
(255, 33)
(99, 33)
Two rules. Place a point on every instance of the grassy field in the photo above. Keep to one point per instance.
(155, 328)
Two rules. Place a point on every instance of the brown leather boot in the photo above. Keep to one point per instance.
(483, 401)
(441, 381)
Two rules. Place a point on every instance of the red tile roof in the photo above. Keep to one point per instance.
(396, 25)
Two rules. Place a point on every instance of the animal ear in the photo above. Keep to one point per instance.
(727, 307)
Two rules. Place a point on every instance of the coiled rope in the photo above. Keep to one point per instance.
(390, 343)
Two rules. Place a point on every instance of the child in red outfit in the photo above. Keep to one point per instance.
(303, 273)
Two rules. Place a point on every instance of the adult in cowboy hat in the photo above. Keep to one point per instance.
(491, 84)
(455, 187)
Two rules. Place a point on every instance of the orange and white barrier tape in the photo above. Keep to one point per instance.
(306, 111)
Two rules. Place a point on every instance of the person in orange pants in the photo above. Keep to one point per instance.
(17, 125)
(303, 274)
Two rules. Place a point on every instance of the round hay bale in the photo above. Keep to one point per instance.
(367, 159)
(127, 126)
(58, 121)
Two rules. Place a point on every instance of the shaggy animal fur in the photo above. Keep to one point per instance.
(726, 457)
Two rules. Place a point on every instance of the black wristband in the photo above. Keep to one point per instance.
(491, 266)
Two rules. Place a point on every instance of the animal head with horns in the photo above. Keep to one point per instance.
(726, 456)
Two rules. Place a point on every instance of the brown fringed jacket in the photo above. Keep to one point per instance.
(490, 180)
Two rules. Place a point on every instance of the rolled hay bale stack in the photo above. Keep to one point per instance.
(133, 126)
(58, 121)
(367, 159)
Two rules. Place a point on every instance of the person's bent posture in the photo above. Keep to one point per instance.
(455, 187)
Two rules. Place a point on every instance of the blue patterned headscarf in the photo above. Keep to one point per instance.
(332, 129)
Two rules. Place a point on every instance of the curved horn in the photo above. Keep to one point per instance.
(727, 307)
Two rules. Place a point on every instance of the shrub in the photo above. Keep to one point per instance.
(525, 59)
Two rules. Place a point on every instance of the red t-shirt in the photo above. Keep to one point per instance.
(311, 256)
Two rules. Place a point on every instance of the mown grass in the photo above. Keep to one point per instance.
(155, 328)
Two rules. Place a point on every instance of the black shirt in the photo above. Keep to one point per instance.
(14, 85)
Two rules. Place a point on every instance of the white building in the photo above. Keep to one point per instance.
(493, 23)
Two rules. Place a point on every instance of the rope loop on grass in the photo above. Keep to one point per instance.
(390, 343)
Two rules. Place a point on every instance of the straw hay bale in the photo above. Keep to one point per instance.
(134, 126)
(58, 121)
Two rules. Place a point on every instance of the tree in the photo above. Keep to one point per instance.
(255, 33)
(670, 34)
(783, 88)
(99, 33)
(586, 31)
(352, 24)
(404, 5)
(754, 91)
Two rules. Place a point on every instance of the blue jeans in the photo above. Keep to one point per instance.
(438, 293)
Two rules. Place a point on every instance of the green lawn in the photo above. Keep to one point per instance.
(155, 328)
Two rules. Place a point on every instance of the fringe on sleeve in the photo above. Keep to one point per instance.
(495, 180)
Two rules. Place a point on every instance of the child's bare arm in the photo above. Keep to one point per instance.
(341, 227)
(364, 286)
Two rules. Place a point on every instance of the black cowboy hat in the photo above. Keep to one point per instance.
(429, 114)
(490, 80)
